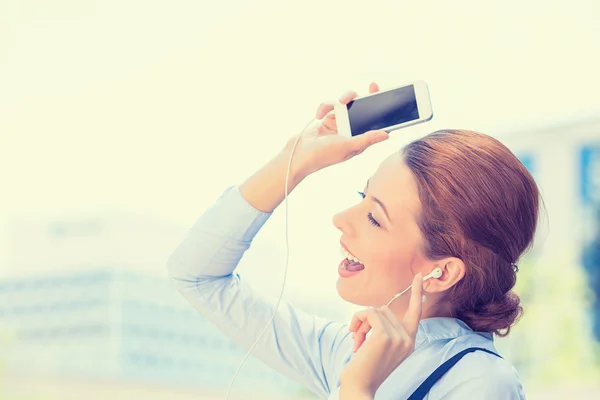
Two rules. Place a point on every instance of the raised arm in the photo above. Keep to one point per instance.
(302, 347)
(310, 350)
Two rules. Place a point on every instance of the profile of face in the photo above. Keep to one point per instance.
(456, 200)
(381, 231)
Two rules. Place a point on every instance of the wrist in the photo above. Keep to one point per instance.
(299, 169)
(265, 190)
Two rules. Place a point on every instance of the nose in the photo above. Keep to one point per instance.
(342, 222)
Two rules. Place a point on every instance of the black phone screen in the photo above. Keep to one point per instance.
(383, 110)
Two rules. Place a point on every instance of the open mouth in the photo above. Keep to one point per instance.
(350, 264)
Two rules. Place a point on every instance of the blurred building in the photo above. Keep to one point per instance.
(120, 326)
(565, 161)
(89, 300)
(70, 243)
(559, 280)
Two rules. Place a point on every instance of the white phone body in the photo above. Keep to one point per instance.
(388, 110)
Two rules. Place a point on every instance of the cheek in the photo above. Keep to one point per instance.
(391, 270)
(394, 261)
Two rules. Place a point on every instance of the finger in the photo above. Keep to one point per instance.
(329, 123)
(327, 107)
(361, 335)
(357, 320)
(391, 317)
(360, 143)
(373, 321)
(364, 328)
(348, 97)
(324, 109)
(415, 306)
(373, 87)
(360, 326)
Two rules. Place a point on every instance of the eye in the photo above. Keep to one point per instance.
(372, 220)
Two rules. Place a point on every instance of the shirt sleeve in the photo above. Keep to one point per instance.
(498, 380)
(307, 349)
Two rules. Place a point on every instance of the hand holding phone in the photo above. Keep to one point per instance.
(388, 110)
(320, 144)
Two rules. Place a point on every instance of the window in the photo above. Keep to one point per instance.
(528, 160)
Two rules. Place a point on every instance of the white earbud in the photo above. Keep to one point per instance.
(435, 274)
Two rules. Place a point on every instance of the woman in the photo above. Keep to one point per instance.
(455, 200)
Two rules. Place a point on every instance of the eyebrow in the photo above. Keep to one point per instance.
(376, 200)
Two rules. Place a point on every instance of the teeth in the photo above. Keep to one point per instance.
(349, 256)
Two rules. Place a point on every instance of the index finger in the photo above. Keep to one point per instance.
(326, 108)
(348, 97)
(415, 306)
(373, 87)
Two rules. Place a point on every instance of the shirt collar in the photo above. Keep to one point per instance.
(444, 328)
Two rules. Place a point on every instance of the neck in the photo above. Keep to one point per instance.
(433, 307)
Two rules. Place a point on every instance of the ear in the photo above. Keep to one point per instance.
(453, 270)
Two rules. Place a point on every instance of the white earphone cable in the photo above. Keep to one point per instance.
(435, 274)
(287, 257)
(398, 295)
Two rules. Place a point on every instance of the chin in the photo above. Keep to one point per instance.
(351, 295)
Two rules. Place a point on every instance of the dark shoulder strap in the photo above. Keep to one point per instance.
(422, 390)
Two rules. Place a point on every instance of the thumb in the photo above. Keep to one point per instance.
(361, 142)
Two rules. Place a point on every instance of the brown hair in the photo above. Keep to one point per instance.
(479, 204)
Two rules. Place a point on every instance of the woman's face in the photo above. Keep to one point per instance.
(381, 231)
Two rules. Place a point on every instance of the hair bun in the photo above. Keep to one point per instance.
(497, 316)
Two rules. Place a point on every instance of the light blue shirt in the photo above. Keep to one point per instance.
(311, 350)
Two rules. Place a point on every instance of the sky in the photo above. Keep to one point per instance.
(154, 108)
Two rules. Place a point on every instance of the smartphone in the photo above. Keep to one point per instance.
(388, 110)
